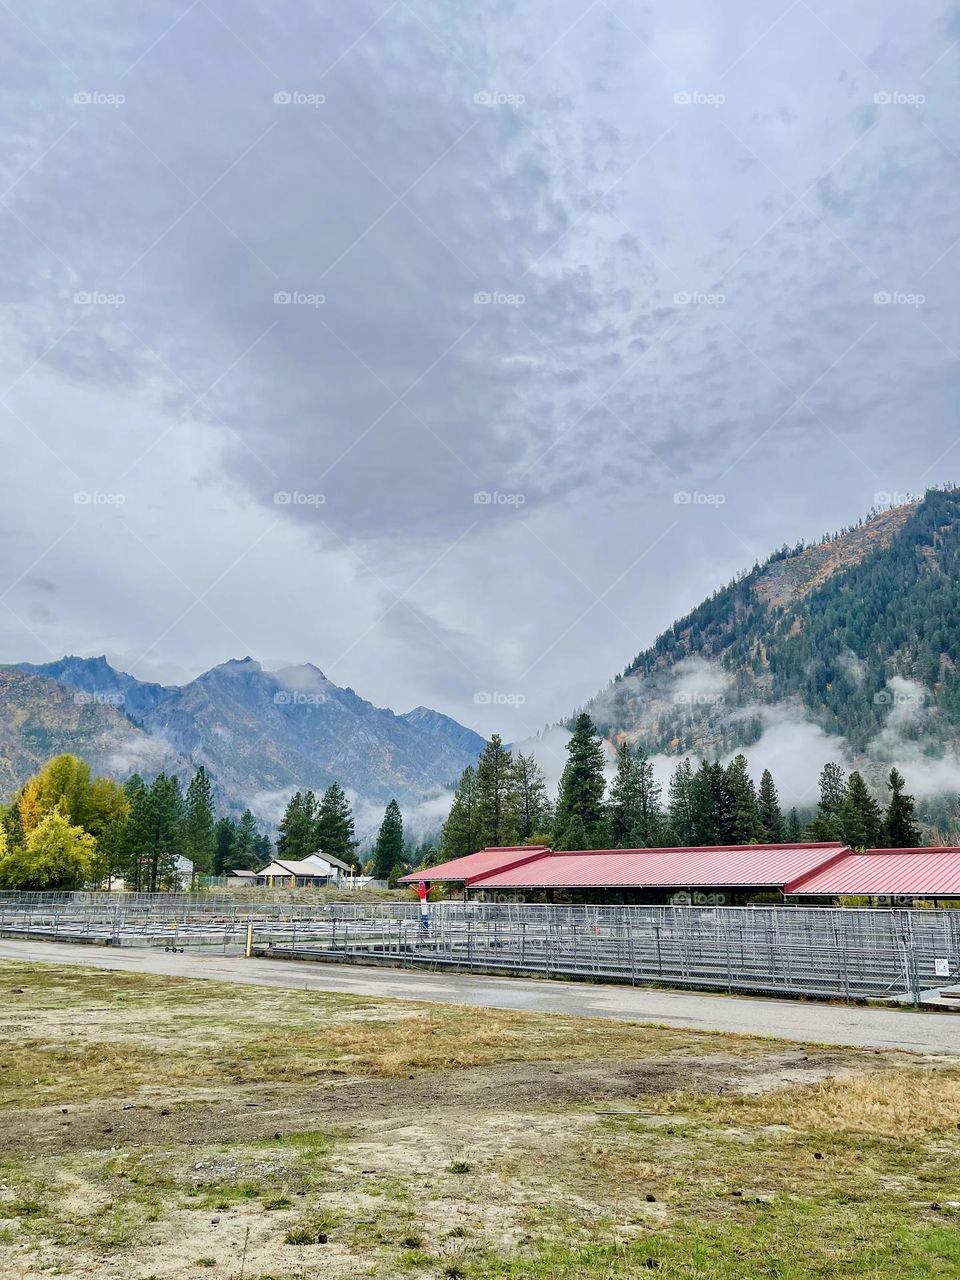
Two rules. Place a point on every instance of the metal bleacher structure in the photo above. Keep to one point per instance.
(884, 953)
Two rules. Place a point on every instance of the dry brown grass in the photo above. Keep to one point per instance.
(76, 1034)
(909, 1103)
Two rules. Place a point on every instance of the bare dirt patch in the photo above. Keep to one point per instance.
(243, 1113)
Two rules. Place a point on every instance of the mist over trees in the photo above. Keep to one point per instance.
(505, 800)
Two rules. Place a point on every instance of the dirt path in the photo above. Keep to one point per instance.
(881, 1028)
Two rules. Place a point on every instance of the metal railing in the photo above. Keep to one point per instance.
(848, 953)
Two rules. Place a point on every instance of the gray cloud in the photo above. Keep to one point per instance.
(780, 212)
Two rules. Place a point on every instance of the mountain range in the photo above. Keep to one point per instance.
(854, 639)
(856, 636)
(261, 734)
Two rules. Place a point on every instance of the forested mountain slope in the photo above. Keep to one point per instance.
(859, 633)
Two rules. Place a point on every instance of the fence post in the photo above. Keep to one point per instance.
(913, 969)
(249, 947)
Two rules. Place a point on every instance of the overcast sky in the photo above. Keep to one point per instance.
(287, 286)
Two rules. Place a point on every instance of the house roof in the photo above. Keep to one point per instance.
(927, 873)
(311, 866)
(720, 866)
(475, 864)
(241, 872)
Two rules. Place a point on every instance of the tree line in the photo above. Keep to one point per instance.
(504, 801)
(64, 829)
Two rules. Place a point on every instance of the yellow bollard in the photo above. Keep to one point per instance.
(249, 941)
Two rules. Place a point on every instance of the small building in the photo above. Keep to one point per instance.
(240, 879)
(311, 872)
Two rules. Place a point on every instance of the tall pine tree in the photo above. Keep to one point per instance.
(388, 851)
(745, 824)
(680, 804)
(460, 834)
(533, 804)
(297, 833)
(581, 786)
(623, 805)
(771, 815)
(335, 834)
(498, 799)
(900, 830)
(199, 824)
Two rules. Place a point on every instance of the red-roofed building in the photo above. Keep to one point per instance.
(712, 874)
(885, 874)
(462, 870)
(709, 874)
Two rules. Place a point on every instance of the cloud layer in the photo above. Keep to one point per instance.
(457, 351)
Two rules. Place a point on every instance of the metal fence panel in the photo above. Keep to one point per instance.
(851, 953)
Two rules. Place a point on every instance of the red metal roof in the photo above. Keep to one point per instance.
(476, 864)
(721, 866)
(925, 873)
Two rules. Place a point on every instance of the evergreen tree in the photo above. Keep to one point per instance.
(745, 823)
(162, 826)
(623, 803)
(498, 798)
(460, 834)
(828, 823)
(899, 828)
(794, 831)
(581, 786)
(246, 855)
(860, 815)
(712, 805)
(264, 850)
(297, 833)
(771, 815)
(199, 823)
(574, 835)
(680, 803)
(388, 851)
(335, 834)
(648, 827)
(133, 836)
(533, 804)
(225, 841)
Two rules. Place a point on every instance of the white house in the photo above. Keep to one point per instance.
(317, 869)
